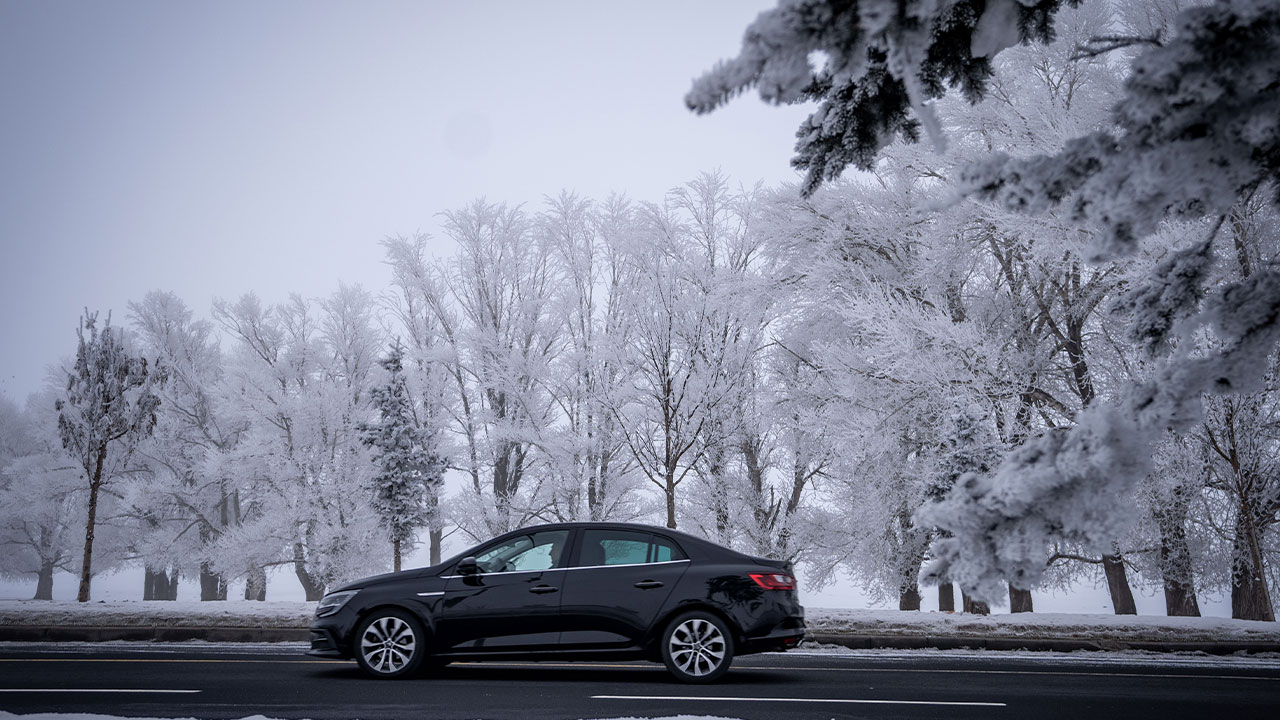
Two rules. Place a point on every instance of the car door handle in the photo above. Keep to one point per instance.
(648, 584)
(543, 589)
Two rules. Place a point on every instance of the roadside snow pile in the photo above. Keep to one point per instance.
(1134, 628)
(156, 613)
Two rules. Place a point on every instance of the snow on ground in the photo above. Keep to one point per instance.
(1127, 658)
(187, 613)
(1040, 625)
(147, 613)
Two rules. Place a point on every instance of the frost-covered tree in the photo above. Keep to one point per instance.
(493, 305)
(409, 470)
(298, 377)
(109, 407)
(188, 500)
(1192, 133)
(41, 496)
(593, 475)
(681, 357)
(969, 448)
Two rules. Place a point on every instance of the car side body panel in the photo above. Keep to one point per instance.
(573, 611)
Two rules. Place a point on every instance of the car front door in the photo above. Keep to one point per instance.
(512, 602)
(616, 586)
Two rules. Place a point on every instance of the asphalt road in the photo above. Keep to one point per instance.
(230, 681)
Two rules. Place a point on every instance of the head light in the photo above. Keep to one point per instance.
(333, 602)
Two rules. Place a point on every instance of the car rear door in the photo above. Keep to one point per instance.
(616, 586)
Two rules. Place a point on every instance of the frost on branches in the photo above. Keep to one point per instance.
(885, 60)
(1194, 135)
(1197, 129)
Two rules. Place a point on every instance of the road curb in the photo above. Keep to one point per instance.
(922, 642)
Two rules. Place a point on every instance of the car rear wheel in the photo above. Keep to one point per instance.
(697, 647)
(390, 644)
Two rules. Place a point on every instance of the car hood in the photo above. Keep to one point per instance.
(376, 580)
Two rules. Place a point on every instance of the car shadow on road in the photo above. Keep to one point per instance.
(606, 674)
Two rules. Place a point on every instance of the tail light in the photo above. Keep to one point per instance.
(774, 581)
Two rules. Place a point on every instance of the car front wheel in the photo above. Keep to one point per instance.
(697, 647)
(390, 644)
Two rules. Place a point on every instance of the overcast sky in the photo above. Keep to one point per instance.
(218, 148)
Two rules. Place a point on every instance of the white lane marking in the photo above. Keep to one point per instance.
(94, 690)
(1066, 673)
(799, 700)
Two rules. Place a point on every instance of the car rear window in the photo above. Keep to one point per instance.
(663, 550)
(625, 547)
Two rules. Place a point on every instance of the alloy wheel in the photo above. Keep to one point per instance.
(697, 647)
(388, 644)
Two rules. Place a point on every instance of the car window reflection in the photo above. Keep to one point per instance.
(620, 547)
(539, 551)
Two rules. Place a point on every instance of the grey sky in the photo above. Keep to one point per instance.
(222, 147)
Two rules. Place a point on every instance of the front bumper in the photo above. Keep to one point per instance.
(323, 644)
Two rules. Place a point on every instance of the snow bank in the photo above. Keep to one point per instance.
(1040, 626)
(156, 613)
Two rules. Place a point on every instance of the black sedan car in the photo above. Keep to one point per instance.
(575, 591)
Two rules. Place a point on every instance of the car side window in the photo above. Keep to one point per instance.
(538, 551)
(624, 547)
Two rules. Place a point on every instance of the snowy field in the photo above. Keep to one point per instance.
(187, 613)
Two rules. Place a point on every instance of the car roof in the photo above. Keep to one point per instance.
(682, 537)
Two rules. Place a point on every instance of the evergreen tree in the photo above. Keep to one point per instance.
(885, 59)
(409, 471)
(969, 448)
(110, 406)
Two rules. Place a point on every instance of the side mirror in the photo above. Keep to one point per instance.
(467, 566)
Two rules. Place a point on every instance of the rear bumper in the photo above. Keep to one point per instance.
(784, 636)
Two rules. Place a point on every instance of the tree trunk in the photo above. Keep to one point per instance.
(1019, 600)
(436, 536)
(1175, 559)
(171, 593)
(1250, 599)
(255, 586)
(314, 589)
(395, 555)
(671, 500)
(212, 586)
(975, 607)
(909, 598)
(148, 584)
(1179, 587)
(946, 597)
(86, 564)
(44, 581)
(1118, 585)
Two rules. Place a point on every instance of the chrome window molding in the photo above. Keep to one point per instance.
(576, 567)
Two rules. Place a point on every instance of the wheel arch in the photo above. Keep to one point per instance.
(418, 613)
(654, 645)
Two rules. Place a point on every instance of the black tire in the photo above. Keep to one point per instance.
(390, 644)
(697, 647)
